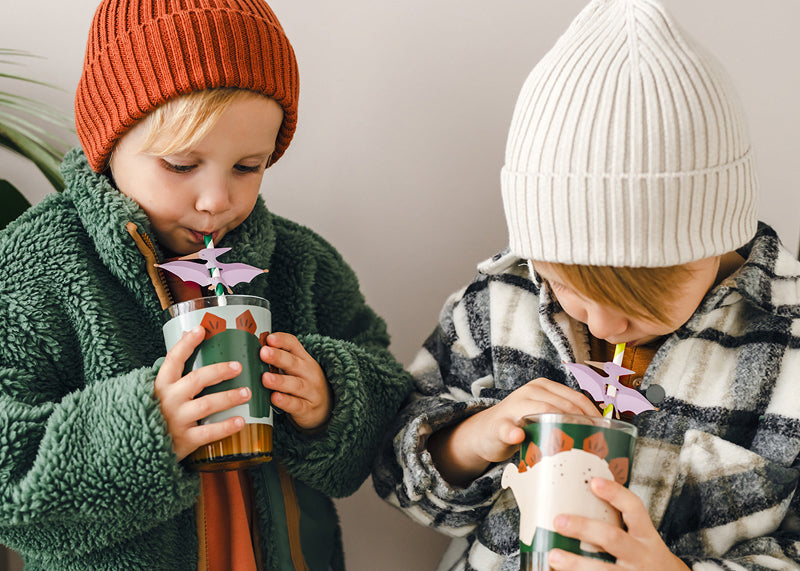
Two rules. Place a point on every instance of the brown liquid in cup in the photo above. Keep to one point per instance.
(251, 446)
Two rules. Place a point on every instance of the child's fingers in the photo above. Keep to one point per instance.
(288, 384)
(288, 403)
(282, 360)
(204, 406)
(287, 342)
(561, 560)
(193, 383)
(300, 389)
(306, 401)
(513, 435)
(540, 402)
(172, 368)
(570, 400)
(203, 434)
(175, 395)
(633, 511)
(285, 352)
(638, 547)
(306, 415)
(608, 537)
(561, 397)
(312, 389)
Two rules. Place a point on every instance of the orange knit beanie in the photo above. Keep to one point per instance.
(143, 52)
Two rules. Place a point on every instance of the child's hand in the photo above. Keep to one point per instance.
(182, 410)
(640, 547)
(496, 431)
(464, 451)
(300, 389)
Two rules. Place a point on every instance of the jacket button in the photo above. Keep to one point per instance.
(655, 394)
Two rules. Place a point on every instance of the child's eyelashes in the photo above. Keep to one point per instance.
(187, 168)
(247, 169)
(177, 168)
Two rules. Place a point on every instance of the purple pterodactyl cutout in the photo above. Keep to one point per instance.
(609, 390)
(200, 273)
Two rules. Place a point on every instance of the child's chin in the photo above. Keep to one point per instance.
(644, 341)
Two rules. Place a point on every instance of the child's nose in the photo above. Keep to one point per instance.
(214, 197)
(605, 323)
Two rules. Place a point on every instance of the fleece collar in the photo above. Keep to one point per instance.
(104, 212)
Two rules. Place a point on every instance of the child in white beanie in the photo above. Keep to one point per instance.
(630, 194)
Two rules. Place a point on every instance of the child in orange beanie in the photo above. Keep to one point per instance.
(180, 109)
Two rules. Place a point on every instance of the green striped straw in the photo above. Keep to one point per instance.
(209, 242)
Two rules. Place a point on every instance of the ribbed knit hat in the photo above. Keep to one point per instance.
(142, 53)
(627, 147)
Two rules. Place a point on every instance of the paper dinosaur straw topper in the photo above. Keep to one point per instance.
(210, 272)
(608, 390)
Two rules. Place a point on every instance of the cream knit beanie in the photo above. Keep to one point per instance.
(627, 147)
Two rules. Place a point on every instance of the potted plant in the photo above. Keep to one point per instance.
(28, 128)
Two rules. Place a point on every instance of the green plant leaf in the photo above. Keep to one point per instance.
(25, 124)
(50, 141)
(26, 129)
(14, 203)
(25, 140)
(33, 107)
(46, 160)
(16, 52)
(28, 80)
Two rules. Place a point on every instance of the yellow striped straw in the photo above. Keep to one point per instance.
(619, 350)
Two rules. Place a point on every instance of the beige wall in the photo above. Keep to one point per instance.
(403, 114)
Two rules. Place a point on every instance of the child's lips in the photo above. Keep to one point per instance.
(199, 235)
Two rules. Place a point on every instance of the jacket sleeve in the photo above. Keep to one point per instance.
(777, 550)
(453, 366)
(733, 508)
(350, 343)
(85, 458)
(83, 471)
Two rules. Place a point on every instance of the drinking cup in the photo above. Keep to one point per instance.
(236, 327)
(559, 457)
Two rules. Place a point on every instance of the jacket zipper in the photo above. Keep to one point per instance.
(148, 250)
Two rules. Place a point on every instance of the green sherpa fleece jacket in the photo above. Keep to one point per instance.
(88, 478)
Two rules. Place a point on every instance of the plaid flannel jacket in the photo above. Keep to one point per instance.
(716, 465)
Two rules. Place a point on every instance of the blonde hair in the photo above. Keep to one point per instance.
(182, 122)
(645, 293)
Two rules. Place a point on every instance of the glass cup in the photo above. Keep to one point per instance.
(559, 457)
(236, 328)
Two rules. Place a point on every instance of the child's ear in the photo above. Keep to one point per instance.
(108, 172)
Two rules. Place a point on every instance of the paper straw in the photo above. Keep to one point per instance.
(619, 350)
(209, 242)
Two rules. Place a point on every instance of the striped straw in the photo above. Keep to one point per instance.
(619, 351)
(209, 242)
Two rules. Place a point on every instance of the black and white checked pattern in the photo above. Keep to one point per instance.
(716, 465)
